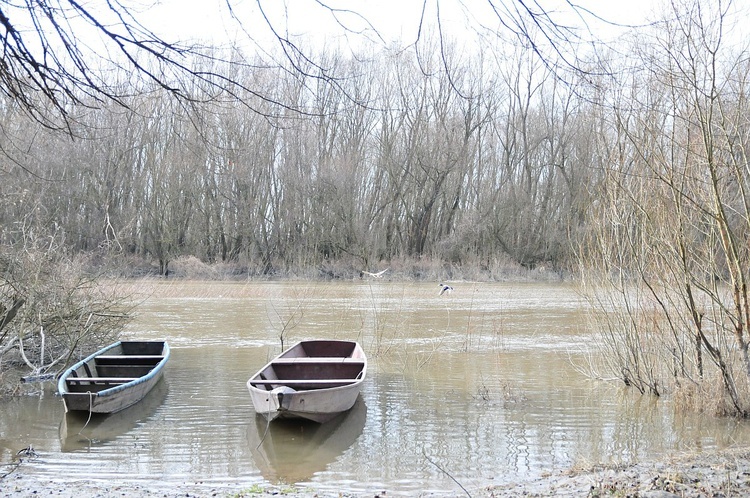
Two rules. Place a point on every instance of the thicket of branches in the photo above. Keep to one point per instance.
(51, 305)
(668, 261)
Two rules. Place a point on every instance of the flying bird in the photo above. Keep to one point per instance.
(445, 288)
(374, 275)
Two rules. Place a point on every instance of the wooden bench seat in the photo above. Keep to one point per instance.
(307, 359)
(101, 380)
(129, 356)
(302, 381)
(128, 359)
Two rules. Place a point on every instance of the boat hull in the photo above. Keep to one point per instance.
(309, 405)
(115, 377)
(313, 380)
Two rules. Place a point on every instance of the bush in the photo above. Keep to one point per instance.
(52, 310)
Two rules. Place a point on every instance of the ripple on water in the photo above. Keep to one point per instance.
(479, 385)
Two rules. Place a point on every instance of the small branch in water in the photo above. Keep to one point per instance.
(18, 459)
(12, 466)
(38, 378)
(445, 472)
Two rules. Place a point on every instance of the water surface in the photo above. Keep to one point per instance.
(483, 384)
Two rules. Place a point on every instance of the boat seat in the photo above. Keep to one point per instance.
(292, 382)
(100, 380)
(307, 359)
(128, 359)
(129, 356)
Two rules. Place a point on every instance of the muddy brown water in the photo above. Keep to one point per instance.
(481, 386)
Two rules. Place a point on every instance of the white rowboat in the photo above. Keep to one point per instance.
(314, 380)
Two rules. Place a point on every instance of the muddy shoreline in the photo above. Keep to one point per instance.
(723, 473)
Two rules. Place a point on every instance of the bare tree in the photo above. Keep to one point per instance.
(676, 215)
(58, 51)
(58, 55)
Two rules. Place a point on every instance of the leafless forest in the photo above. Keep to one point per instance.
(493, 163)
(627, 169)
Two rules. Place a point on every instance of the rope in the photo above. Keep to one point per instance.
(91, 410)
(268, 424)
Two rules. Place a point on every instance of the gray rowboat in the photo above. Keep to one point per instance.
(113, 378)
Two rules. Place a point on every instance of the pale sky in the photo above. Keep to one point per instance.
(393, 19)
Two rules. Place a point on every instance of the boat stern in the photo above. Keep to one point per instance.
(284, 396)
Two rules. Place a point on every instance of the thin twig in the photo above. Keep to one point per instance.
(13, 466)
(445, 472)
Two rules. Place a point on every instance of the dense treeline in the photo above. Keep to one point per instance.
(393, 163)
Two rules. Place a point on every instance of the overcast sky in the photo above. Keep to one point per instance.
(393, 19)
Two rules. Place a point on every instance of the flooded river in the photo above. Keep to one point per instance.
(486, 385)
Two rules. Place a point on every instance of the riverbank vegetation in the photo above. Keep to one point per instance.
(629, 173)
(667, 263)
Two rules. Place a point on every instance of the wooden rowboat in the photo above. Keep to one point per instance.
(113, 378)
(314, 380)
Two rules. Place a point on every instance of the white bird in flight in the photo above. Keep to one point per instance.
(445, 288)
(375, 275)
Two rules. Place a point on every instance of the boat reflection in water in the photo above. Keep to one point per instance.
(293, 450)
(78, 432)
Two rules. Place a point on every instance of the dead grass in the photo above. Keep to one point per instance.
(701, 397)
